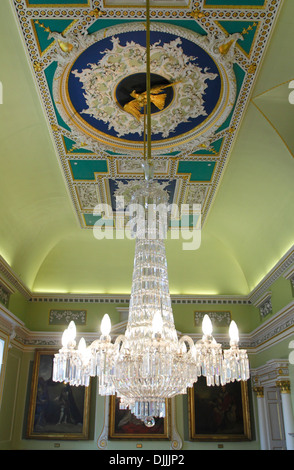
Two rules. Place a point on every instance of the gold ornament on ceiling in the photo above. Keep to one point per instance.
(140, 100)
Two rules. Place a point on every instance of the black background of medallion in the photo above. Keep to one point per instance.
(137, 82)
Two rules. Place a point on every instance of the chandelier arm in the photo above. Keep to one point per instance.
(120, 339)
(187, 339)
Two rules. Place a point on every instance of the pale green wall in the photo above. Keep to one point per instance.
(19, 306)
(37, 317)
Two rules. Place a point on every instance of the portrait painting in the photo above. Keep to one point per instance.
(124, 425)
(56, 410)
(219, 412)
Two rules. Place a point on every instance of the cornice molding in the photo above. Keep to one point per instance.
(284, 267)
(270, 373)
(11, 325)
(277, 328)
(14, 279)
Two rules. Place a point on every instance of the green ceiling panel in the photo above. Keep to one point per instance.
(70, 146)
(91, 220)
(46, 3)
(215, 148)
(42, 35)
(86, 169)
(234, 3)
(198, 171)
(248, 26)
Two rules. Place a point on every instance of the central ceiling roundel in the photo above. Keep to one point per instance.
(100, 90)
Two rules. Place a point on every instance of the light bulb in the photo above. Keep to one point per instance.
(105, 325)
(82, 346)
(157, 323)
(206, 325)
(72, 331)
(65, 338)
(233, 332)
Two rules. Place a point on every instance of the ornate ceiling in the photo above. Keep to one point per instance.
(86, 57)
(217, 141)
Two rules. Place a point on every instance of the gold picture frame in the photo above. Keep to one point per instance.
(219, 413)
(124, 425)
(56, 410)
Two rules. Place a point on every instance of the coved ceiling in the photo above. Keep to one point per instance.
(86, 58)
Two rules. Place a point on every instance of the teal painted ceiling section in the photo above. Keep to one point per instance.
(197, 171)
(42, 34)
(248, 26)
(86, 169)
(234, 3)
(58, 3)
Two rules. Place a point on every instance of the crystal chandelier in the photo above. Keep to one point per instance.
(149, 363)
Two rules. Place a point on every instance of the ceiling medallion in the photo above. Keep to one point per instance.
(99, 77)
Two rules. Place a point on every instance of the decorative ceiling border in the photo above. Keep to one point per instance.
(14, 279)
(124, 299)
(280, 268)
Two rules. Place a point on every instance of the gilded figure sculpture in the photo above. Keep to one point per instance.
(140, 100)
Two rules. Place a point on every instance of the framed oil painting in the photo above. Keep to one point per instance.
(219, 413)
(57, 410)
(124, 425)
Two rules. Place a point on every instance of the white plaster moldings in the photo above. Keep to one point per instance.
(10, 324)
(274, 330)
(281, 267)
(14, 279)
(264, 304)
(289, 274)
(268, 374)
